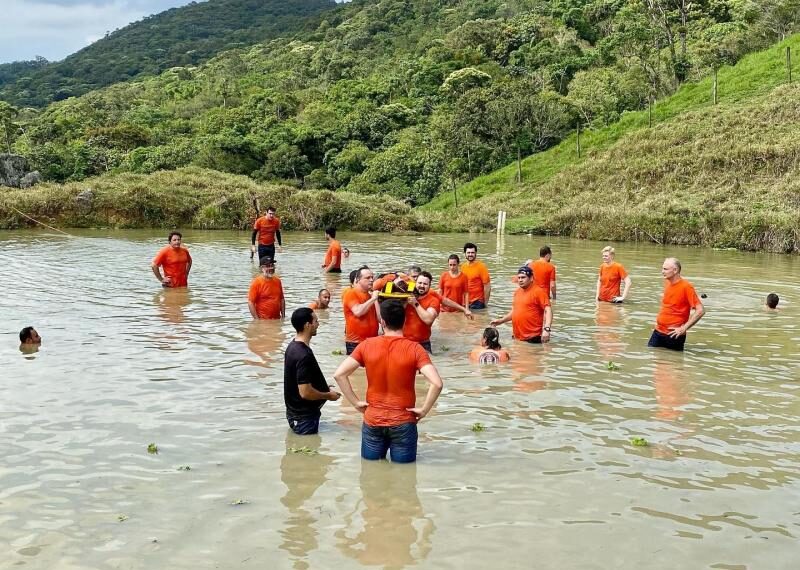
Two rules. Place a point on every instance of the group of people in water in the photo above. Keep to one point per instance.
(388, 321)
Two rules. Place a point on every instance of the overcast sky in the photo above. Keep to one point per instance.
(56, 28)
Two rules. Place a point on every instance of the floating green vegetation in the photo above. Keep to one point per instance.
(152, 449)
(639, 442)
(184, 468)
(122, 518)
(444, 348)
(337, 352)
(305, 450)
(611, 365)
(238, 502)
(477, 426)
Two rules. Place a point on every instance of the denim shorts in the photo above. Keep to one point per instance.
(661, 340)
(400, 441)
(306, 426)
(477, 305)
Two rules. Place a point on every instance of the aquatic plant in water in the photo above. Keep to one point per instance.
(305, 450)
(476, 427)
(184, 468)
(152, 449)
(639, 442)
(611, 365)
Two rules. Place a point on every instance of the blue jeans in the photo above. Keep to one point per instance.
(308, 426)
(477, 305)
(400, 441)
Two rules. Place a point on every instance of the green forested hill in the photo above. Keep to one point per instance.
(177, 37)
(405, 98)
(722, 175)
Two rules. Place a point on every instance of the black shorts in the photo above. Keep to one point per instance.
(266, 250)
(534, 339)
(661, 340)
(350, 347)
(335, 270)
(477, 305)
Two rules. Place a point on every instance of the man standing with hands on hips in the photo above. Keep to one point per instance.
(681, 308)
(530, 314)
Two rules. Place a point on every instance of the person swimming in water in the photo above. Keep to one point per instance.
(490, 351)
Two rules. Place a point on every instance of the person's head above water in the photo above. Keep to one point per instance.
(175, 239)
(324, 298)
(28, 335)
(491, 338)
(773, 300)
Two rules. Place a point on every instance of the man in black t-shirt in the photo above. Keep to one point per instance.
(304, 386)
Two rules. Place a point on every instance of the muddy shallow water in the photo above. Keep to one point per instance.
(552, 482)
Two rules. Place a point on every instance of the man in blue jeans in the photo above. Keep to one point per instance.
(305, 389)
(390, 410)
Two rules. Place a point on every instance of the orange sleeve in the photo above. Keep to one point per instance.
(622, 273)
(256, 224)
(485, 275)
(358, 353)
(159, 258)
(421, 356)
(691, 297)
(252, 294)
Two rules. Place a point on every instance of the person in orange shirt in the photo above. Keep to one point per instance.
(421, 312)
(479, 286)
(681, 308)
(530, 314)
(544, 272)
(360, 311)
(390, 409)
(267, 229)
(322, 301)
(333, 256)
(176, 262)
(265, 298)
(612, 275)
(453, 284)
(490, 351)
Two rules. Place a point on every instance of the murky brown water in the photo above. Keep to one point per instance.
(552, 482)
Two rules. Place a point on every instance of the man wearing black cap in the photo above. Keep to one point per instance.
(265, 298)
(530, 314)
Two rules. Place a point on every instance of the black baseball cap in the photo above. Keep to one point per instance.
(266, 260)
(526, 270)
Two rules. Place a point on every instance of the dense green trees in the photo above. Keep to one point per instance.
(177, 37)
(401, 97)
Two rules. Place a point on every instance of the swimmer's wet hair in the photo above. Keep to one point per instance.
(25, 334)
(492, 336)
(772, 300)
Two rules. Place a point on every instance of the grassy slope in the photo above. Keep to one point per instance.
(722, 176)
(194, 197)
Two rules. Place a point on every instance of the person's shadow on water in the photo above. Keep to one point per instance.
(395, 531)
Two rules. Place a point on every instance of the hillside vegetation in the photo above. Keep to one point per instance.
(178, 37)
(401, 98)
(725, 175)
(196, 198)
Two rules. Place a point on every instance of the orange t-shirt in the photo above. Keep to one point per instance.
(266, 230)
(677, 303)
(477, 276)
(174, 262)
(266, 295)
(414, 328)
(527, 312)
(453, 288)
(391, 363)
(611, 276)
(544, 272)
(483, 355)
(313, 305)
(357, 329)
(334, 250)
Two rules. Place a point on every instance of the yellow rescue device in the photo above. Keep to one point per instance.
(399, 290)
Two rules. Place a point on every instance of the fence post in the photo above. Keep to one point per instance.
(714, 88)
(789, 62)
(649, 111)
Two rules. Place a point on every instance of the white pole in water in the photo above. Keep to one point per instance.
(504, 221)
(499, 221)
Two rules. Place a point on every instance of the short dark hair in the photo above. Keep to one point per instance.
(454, 256)
(331, 231)
(545, 250)
(321, 291)
(179, 234)
(492, 336)
(358, 272)
(25, 334)
(393, 313)
(772, 300)
(271, 209)
(301, 317)
(470, 245)
(426, 274)
(353, 275)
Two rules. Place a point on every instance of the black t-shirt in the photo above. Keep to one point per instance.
(300, 367)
